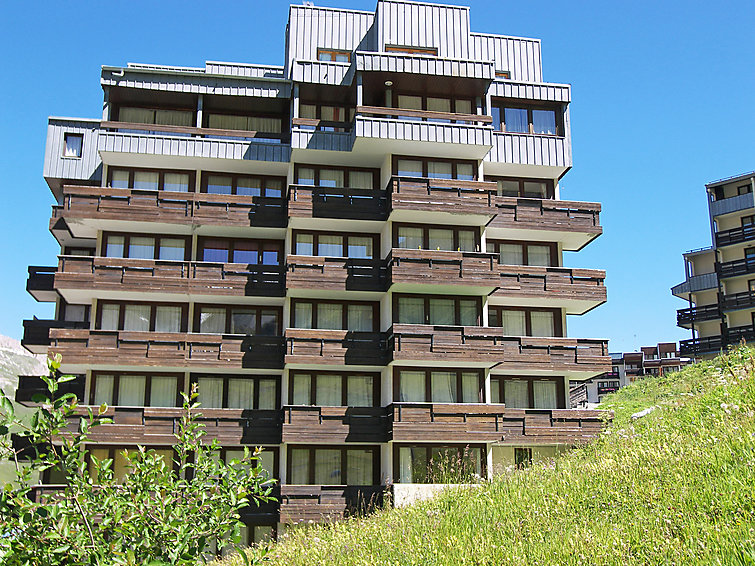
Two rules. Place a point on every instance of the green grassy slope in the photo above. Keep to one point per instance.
(674, 487)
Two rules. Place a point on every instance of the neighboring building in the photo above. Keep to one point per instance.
(625, 368)
(357, 256)
(720, 280)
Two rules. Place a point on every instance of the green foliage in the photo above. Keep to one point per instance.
(160, 513)
(674, 487)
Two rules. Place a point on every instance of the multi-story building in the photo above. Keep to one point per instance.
(625, 369)
(358, 256)
(720, 280)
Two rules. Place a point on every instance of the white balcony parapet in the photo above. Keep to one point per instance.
(322, 72)
(530, 149)
(549, 92)
(424, 65)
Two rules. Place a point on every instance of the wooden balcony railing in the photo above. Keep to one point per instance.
(104, 203)
(469, 423)
(31, 385)
(149, 349)
(336, 347)
(314, 424)
(189, 130)
(167, 276)
(443, 195)
(443, 267)
(490, 346)
(157, 426)
(308, 201)
(735, 268)
(735, 235)
(36, 336)
(545, 214)
(561, 283)
(323, 503)
(346, 274)
(736, 301)
(714, 344)
(697, 314)
(424, 115)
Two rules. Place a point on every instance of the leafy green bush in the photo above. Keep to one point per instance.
(160, 513)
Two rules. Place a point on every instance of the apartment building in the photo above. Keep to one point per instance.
(358, 256)
(720, 280)
(627, 367)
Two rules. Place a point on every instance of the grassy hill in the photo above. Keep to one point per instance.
(674, 487)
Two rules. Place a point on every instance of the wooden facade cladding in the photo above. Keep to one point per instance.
(491, 347)
(443, 267)
(443, 195)
(168, 276)
(325, 202)
(335, 347)
(315, 424)
(36, 336)
(324, 503)
(687, 316)
(157, 426)
(553, 283)
(134, 205)
(154, 349)
(545, 214)
(476, 423)
(314, 272)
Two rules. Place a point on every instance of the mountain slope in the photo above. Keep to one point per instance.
(676, 486)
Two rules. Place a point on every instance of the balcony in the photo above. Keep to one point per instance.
(417, 64)
(335, 274)
(305, 201)
(31, 385)
(403, 131)
(40, 283)
(714, 344)
(468, 272)
(695, 284)
(535, 154)
(88, 209)
(476, 346)
(736, 301)
(79, 276)
(61, 165)
(90, 348)
(335, 347)
(477, 423)
(312, 133)
(735, 236)
(575, 224)
(576, 290)
(731, 204)
(325, 503)
(157, 426)
(735, 268)
(313, 424)
(472, 199)
(36, 337)
(685, 317)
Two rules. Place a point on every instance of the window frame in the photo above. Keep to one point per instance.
(498, 381)
(344, 461)
(263, 245)
(460, 447)
(194, 378)
(229, 314)
(148, 375)
(502, 103)
(428, 382)
(426, 234)
(344, 245)
(344, 313)
(333, 53)
(157, 237)
(66, 137)
(152, 314)
(161, 179)
(427, 298)
(550, 190)
(553, 247)
(376, 401)
(424, 96)
(558, 330)
(426, 160)
(235, 177)
(116, 112)
(346, 175)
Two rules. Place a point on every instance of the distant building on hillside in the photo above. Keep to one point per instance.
(625, 368)
(720, 280)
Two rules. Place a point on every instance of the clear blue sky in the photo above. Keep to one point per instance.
(662, 103)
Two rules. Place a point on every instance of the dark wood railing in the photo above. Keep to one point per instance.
(713, 344)
(315, 424)
(443, 267)
(552, 282)
(323, 503)
(736, 267)
(37, 332)
(40, 282)
(168, 276)
(695, 314)
(31, 385)
(348, 274)
(335, 347)
(167, 349)
(735, 235)
(738, 301)
(450, 195)
(545, 214)
(337, 202)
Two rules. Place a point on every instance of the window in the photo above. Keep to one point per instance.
(744, 189)
(419, 385)
(120, 464)
(527, 392)
(337, 55)
(526, 119)
(245, 320)
(522, 457)
(526, 321)
(426, 237)
(72, 145)
(151, 180)
(521, 253)
(271, 124)
(446, 105)
(250, 252)
(238, 391)
(502, 75)
(256, 186)
(141, 317)
(136, 389)
(412, 50)
(326, 244)
(748, 220)
(138, 246)
(162, 116)
(526, 188)
(330, 177)
(327, 465)
(437, 464)
(325, 117)
(434, 168)
(438, 310)
(335, 389)
(335, 315)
